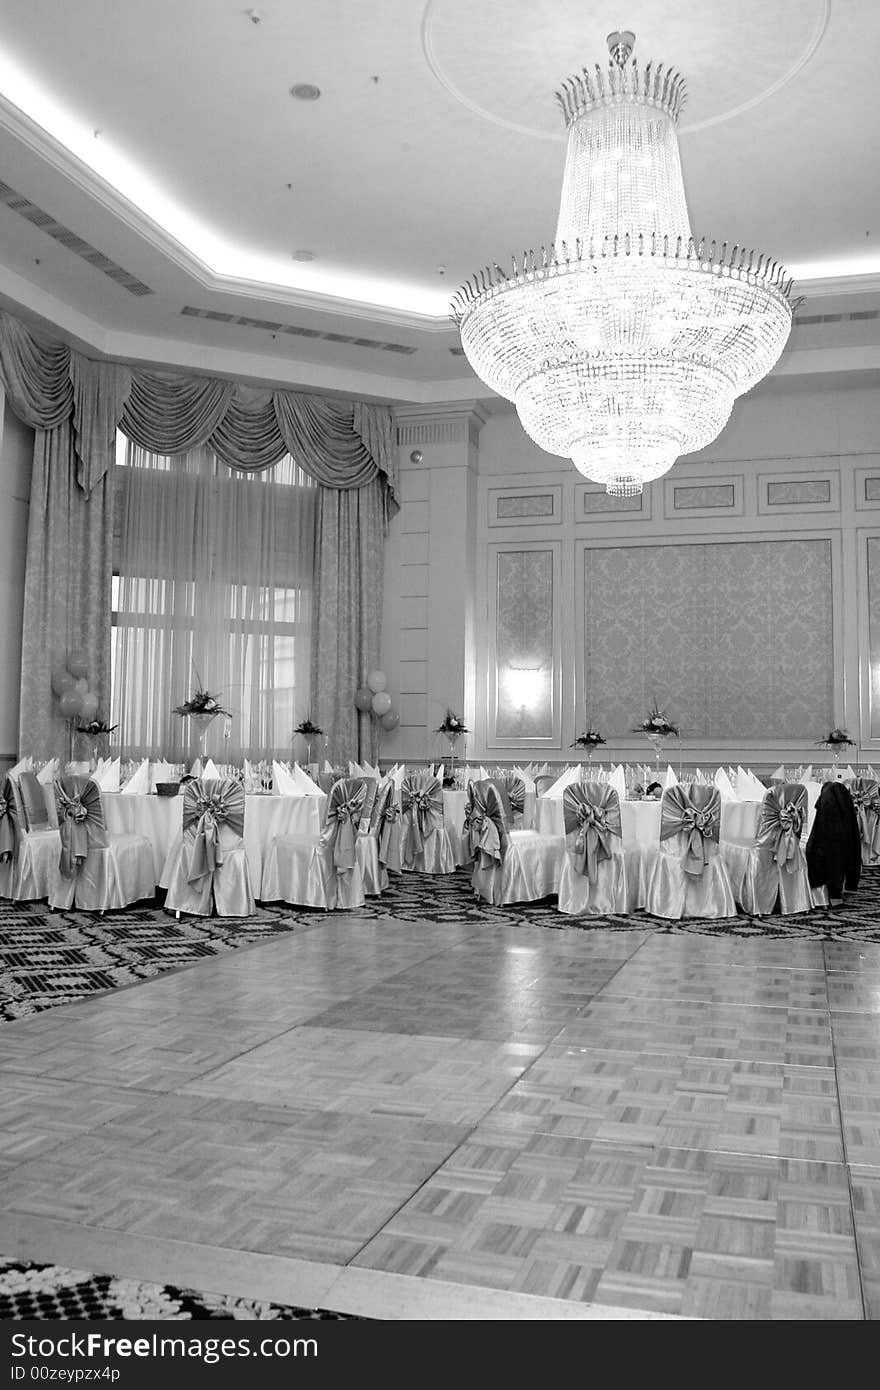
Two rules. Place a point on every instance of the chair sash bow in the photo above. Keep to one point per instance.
(484, 827)
(421, 810)
(695, 813)
(80, 823)
(591, 815)
(7, 822)
(516, 794)
(865, 793)
(344, 812)
(208, 806)
(386, 813)
(781, 824)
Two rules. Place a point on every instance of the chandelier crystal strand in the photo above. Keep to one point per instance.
(625, 344)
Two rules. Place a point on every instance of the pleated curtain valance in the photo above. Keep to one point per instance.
(341, 444)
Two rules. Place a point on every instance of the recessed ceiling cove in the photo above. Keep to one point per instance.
(504, 59)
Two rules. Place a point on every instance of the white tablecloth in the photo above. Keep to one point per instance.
(640, 820)
(159, 819)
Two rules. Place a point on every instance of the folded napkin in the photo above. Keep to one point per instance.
(23, 765)
(748, 788)
(283, 782)
(571, 774)
(160, 771)
(303, 784)
(617, 780)
(724, 785)
(327, 767)
(47, 774)
(370, 771)
(196, 769)
(398, 775)
(210, 772)
(250, 779)
(106, 775)
(138, 783)
(355, 769)
(779, 774)
(670, 780)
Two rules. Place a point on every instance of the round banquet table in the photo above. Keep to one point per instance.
(160, 818)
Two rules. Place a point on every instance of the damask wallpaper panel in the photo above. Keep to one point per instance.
(733, 639)
(524, 615)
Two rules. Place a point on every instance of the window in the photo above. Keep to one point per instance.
(212, 586)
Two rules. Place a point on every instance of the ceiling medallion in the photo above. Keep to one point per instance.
(625, 343)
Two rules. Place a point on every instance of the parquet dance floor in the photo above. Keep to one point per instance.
(447, 1118)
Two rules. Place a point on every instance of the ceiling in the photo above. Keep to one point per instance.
(160, 185)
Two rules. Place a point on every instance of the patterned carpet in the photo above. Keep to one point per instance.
(50, 958)
(37, 1291)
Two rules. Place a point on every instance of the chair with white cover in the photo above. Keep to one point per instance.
(37, 843)
(96, 871)
(206, 869)
(8, 836)
(776, 869)
(598, 877)
(321, 870)
(425, 847)
(688, 877)
(865, 792)
(510, 865)
(371, 846)
(543, 782)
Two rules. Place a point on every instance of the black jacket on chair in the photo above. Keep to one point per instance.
(834, 857)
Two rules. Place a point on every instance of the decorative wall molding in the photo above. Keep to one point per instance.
(525, 656)
(699, 497)
(521, 506)
(593, 502)
(799, 492)
(459, 422)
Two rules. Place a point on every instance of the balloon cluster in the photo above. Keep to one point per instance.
(374, 699)
(71, 685)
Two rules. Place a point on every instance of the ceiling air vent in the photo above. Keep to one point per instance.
(295, 331)
(807, 320)
(65, 237)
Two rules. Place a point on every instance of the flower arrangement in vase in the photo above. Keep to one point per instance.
(836, 740)
(453, 726)
(657, 728)
(590, 739)
(309, 731)
(98, 732)
(201, 708)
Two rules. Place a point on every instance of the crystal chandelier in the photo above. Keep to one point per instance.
(626, 343)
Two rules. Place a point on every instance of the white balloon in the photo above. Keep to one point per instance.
(377, 680)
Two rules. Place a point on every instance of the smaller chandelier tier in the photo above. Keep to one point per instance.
(626, 343)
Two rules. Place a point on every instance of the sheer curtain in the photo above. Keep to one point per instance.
(213, 575)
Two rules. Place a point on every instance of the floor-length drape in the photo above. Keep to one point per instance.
(349, 575)
(214, 587)
(67, 589)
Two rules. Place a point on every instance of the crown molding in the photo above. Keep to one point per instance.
(53, 153)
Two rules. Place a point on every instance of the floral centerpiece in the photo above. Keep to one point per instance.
(591, 739)
(96, 727)
(657, 725)
(201, 702)
(201, 708)
(657, 728)
(308, 729)
(452, 725)
(97, 731)
(838, 738)
(309, 732)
